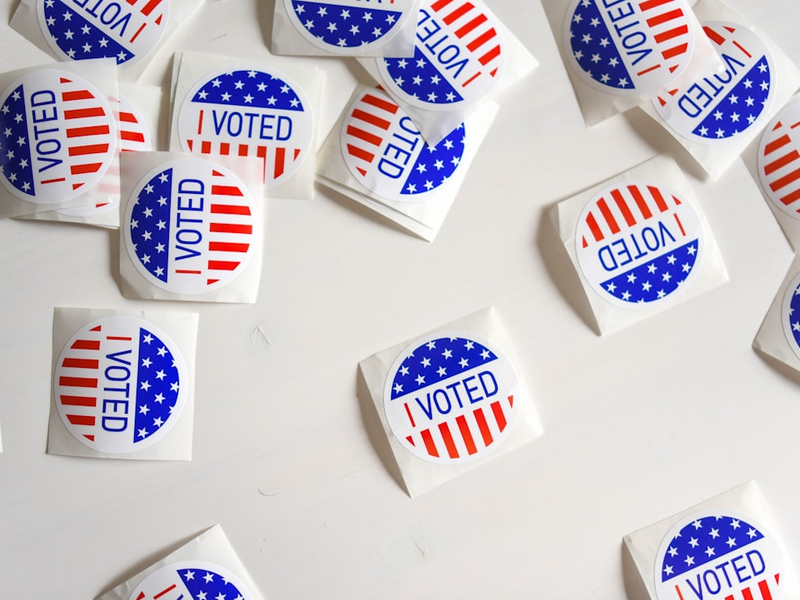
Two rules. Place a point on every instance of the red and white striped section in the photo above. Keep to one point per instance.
(152, 12)
(779, 162)
(761, 590)
(278, 161)
(369, 124)
(669, 25)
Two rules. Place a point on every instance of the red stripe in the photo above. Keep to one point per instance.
(680, 596)
(483, 426)
(85, 113)
(76, 95)
(81, 420)
(680, 225)
(781, 162)
(610, 220)
(499, 416)
(161, 593)
(364, 135)
(223, 265)
(648, 70)
(229, 228)
(640, 201)
(776, 144)
(200, 123)
(763, 586)
(261, 152)
(662, 205)
(676, 51)
(440, 4)
(150, 6)
(444, 429)
(87, 131)
(664, 17)
(89, 149)
(85, 168)
(380, 103)
(132, 136)
(490, 55)
(359, 153)
(138, 31)
(672, 33)
(119, 338)
(466, 434)
(224, 148)
(714, 36)
(458, 13)
(481, 39)
(785, 180)
(280, 161)
(429, 445)
(81, 363)
(228, 247)
(86, 345)
(623, 207)
(789, 198)
(594, 227)
(740, 47)
(652, 4)
(243, 148)
(410, 416)
(747, 594)
(53, 180)
(78, 401)
(465, 29)
(205, 148)
(229, 209)
(127, 117)
(85, 382)
(226, 190)
(188, 271)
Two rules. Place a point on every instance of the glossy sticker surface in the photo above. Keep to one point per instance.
(58, 136)
(249, 113)
(779, 160)
(191, 580)
(120, 384)
(189, 226)
(790, 315)
(451, 397)
(638, 243)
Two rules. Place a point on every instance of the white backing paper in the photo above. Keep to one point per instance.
(774, 337)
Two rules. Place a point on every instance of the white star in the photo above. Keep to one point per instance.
(143, 409)
(420, 379)
(142, 432)
(145, 385)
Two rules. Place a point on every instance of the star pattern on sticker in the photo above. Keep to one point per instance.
(350, 27)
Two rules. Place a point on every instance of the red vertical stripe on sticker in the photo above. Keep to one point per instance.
(131, 136)
(789, 198)
(763, 587)
(81, 363)
(84, 382)
(640, 201)
(672, 33)
(483, 426)
(230, 228)
(594, 228)
(87, 131)
(664, 17)
(785, 180)
(623, 207)
(359, 153)
(150, 7)
(229, 209)
(85, 168)
(85, 113)
(71, 96)
(280, 161)
(781, 162)
(222, 265)
(226, 190)
(465, 29)
(489, 56)
(205, 147)
(88, 149)
(410, 416)
(458, 13)
(499, 416)
(662, 205)
(162, 592)
(86, 345)
(747, 594)
(364, 135)
(481, 39)
(466, 434)
(713, 35)
(429, 445)
(380, 103)
(81, 419)
(606, 212)
(243, 148)
(676, 51)
(371, 119)
(452, 451)
(440, 4)
(776, 144)
(652, 4)
(78, 400)
(228, 247)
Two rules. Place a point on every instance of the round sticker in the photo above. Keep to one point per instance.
(790, 315)
(384, 150)
(58, 136)
(458, 57)
(718, 554)
(81, 29)
(348, 26)
(249, 113)
(451, 397)
(189, 226)
(779, 159)
(628, 48)
(638, 243)
(120, 384)
(191, 580)
(723, 105)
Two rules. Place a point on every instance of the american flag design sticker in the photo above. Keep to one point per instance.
(629, 47)
(790, 315)
(189, 226)
(249, 113)
(191, 580)
(451, 397)
(58, 136)
(120, 384)
(722, 106)
(348, 27)
(779, 160)
(458, 57)
(638, 243)
(718, 554)
(125, 30)
(384, 150)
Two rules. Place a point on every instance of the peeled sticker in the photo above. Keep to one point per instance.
(458, 57)
(120, 384)
(718, 554)
(450, 397)
(638, 243)
(189, 226)
(384, 150)
(249, 113)
(629, 48)
(723, 105)
(58, 136)
(125, 30)
(191, 580)
(348, 26)
(779, 160)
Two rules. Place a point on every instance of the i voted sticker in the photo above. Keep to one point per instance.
(120, 384)
(58, 136)
(348, 26)
(779, 160)
(451, 397)
(458, 57)
(790, 315)
(189, 226)
(638, 243)
(723, 105)
(125, 30)
(718, 554)
(384, 150)
(249, 113)
(629, 47)
(191, 580)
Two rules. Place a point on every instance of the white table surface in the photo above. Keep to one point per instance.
(638, 425)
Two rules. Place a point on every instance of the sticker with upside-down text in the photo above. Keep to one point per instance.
(638, 243)
(451, 397)
(191, 580)
(718, 554)
(120, 384)
(779, 160)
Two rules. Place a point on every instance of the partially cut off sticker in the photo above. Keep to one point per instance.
(120, 384)
(790, 315)
(249, 113)
(718, 554)
(58, 136)
(723, 105)
(385, 152)
(191, 580)
(458, 57)
(629, 47)
(638, 243)
(779, 160)
(123, 30)
(189, 226)
(348, 26)
(451, 397)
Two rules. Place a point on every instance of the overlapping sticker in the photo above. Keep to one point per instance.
(348, 26)
(779, 160)
(724, 105)
(189, 226)
(58, 136)
(458, 58)
(638, 243)
(451, 397)
(718, 554)
(384, 150)
(120, 384)
(249, 113)
(790, 315)
(629, 47)
(126, 30)
(191, 579)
